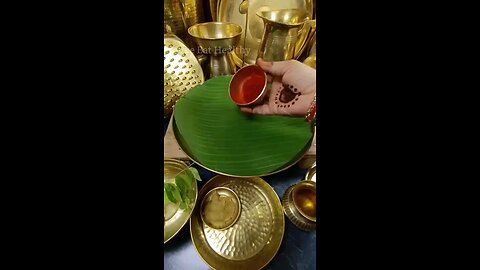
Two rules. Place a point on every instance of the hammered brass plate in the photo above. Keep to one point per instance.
(172, 226)
(181, 71)
(252, 242)
(228, 11)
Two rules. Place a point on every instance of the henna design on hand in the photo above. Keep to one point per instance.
(287, 96)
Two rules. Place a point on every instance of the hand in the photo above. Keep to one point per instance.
(293, 88)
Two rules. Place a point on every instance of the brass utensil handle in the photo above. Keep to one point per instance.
(243, 9)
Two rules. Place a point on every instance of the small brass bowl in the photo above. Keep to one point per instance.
(248, 86)
(220, 208)
(300, 210)
(216, 37)
(304, 198)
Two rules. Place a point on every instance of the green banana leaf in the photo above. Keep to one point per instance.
(213, 131)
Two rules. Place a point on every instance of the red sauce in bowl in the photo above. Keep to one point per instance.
(247, 85)
(251, 88)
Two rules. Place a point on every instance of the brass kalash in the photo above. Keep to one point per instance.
(217, 40)
(282, 34)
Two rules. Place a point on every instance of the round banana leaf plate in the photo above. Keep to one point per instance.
(173, 215)
(214, 133)
(254, 239)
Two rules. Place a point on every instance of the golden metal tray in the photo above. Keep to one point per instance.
(252, 242)
(228, 11)
(173, 225)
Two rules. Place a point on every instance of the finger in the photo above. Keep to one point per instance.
(275, 68)
(246, 109)
(262, 109)
(267, 95)
(269, 78)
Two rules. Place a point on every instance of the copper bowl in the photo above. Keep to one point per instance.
(248, 86)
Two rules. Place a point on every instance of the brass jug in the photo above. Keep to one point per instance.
(282, 34)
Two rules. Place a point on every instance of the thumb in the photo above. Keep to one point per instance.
(274, 68)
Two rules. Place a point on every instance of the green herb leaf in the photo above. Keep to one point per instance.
(182, 206)
(172, 193)
(165, 197)
(183, 185)
(195, 173)
(191, 193)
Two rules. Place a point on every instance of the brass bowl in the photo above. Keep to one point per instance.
(216, 37)
(175, 222)
(292, 210)
(220, 208)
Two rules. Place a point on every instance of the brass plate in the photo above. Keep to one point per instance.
(181, 72)
(173, 225)
(183, 147)
(228, 11)
(252, 242)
